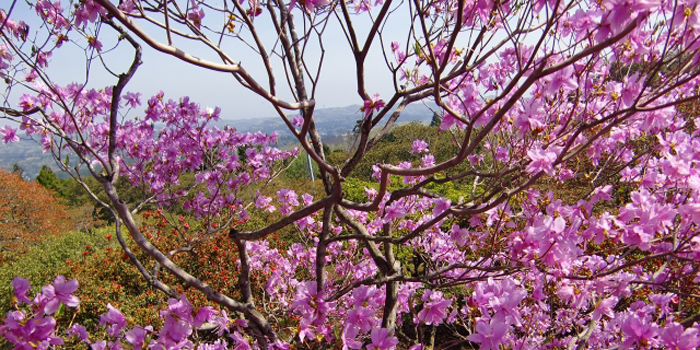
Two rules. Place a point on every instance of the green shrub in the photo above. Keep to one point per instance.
(43, 261)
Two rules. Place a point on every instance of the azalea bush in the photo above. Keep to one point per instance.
(51, 257)
(565, 213)
(108, 276)
(29, 214)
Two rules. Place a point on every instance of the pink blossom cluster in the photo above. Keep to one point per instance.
(172, 138)
(514, 309)
(547, 246)
(31, 326)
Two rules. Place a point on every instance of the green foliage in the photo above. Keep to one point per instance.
(436, 120)
(42, 262)
(49, 180)
(106, 276)
(354, 189)
(77, 196)
(452, 190)
(337, 157)
(17, 169)
(395, 147)
(299, 169)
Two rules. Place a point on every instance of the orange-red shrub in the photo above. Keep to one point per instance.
(107, 275)
(28, 212)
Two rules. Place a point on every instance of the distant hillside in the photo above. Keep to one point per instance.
(28, 155)
(331, 123)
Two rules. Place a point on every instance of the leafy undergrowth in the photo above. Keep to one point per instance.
(43, 261)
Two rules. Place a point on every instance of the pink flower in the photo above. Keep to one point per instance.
(475, 159)
(441, 205)
(489, 335)
(263, 202)
(435, 309)
(298, 121)
(42, 59)
(381, 340)
(133, 99)
(447, 121)
(307, 198)
(370, 192)
(395, 45)
(563, 79)
(21, 287)
(349, 336)
(393, 211)
(434, 312)
(638, 331)
(179, 307)
(195, 15)
(375, 103)
(542, 160)
(203, 315)
(605, 307)
(630, 90)
(459, 235)
(115, 319)
(306, 295)
(360, 317)
(50, 12)
(37, 332)
(221, 322)
(566, 293)
(419, 146)
(9, 134)
(137, 336)
(674, 336)
(531, 116)
(27, 102)
(59, 292)
(80, 331)
(310, 5)
(288, 197)
(94, 43)
(175, 329)
(88, 12)
(428, 160)
(622, 11)
(127, 5)
(241, 342)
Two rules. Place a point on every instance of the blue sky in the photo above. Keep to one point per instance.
(176, 78)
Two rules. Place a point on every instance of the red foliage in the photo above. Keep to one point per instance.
(28, 212)
(107, 276)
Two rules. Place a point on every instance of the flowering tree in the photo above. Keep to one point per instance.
(576, 219)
